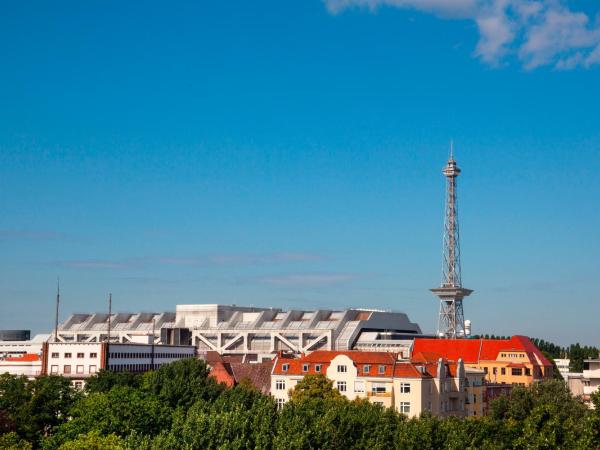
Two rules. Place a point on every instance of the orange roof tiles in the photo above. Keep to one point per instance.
(28, 357)
(392, 367)
(472, 351)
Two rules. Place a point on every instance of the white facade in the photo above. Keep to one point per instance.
(17, 348)
(562, 364)
(29, 366)
(81, 360)
(591, 378)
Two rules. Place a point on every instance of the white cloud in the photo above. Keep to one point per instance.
(537, 32)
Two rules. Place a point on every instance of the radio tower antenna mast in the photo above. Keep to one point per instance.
(451, 321)
(57, 309)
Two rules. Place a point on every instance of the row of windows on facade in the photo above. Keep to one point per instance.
(70, 355)
(340, 368)
(359, 386)
(515, 371)
(512, 355)
(134, 367)
(121, 355)
(78, 369)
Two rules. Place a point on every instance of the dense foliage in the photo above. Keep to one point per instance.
(179, 406)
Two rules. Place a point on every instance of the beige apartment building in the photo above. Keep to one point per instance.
(381, 377)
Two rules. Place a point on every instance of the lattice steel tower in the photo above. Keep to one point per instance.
(451, 323)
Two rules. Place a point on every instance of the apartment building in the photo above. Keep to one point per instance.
(380, 377)
(515, 361)
(590, 379)
(81, 360)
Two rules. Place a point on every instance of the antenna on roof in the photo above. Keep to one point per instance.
(451, 148)
(109, 313)
(57, 305)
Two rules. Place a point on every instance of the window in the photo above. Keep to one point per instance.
(92, 369)
(516, 372)
(527, 371)
(474, 398)
(378, 388)
(503, 371)
(78, 384)
(67, 355)
(55, 355)
(404, 407)
(318, 368)
(304, 367)
(80, 355)
(285, 367)
(342, 369)
(405, 388)
(79, 369)
(93, 355)
(359, 386)
(381, 370)
(495, 370)
(366, 368)
(341, 385)
(280, 385)
(53, 369)
(280, 403)
(485, 369)
(67, 369)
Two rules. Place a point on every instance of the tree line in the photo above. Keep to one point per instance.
(180, 406)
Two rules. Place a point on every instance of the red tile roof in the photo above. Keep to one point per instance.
(472, 351)
(28, 357)
(221, 374)
(258, 374)
(393, 367)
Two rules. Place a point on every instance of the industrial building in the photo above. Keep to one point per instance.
(256, 332)
(81, 360)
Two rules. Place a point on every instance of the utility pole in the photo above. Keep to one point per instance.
(109, 314)
(451, 320)
(57, 309)
(152, 351)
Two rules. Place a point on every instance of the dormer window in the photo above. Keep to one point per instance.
(366, 368)
(304, 367)
(381, 370)
(318, 368)
(285, 367)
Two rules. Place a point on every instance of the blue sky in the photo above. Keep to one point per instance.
(288, 154)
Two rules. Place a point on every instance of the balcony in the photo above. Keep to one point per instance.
(379, 394)
(588, 390)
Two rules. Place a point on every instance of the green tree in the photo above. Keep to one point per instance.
(12, 441)
(94, 441)
(313, 387)
(182, 383)
(120, 411)
(105, 380)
